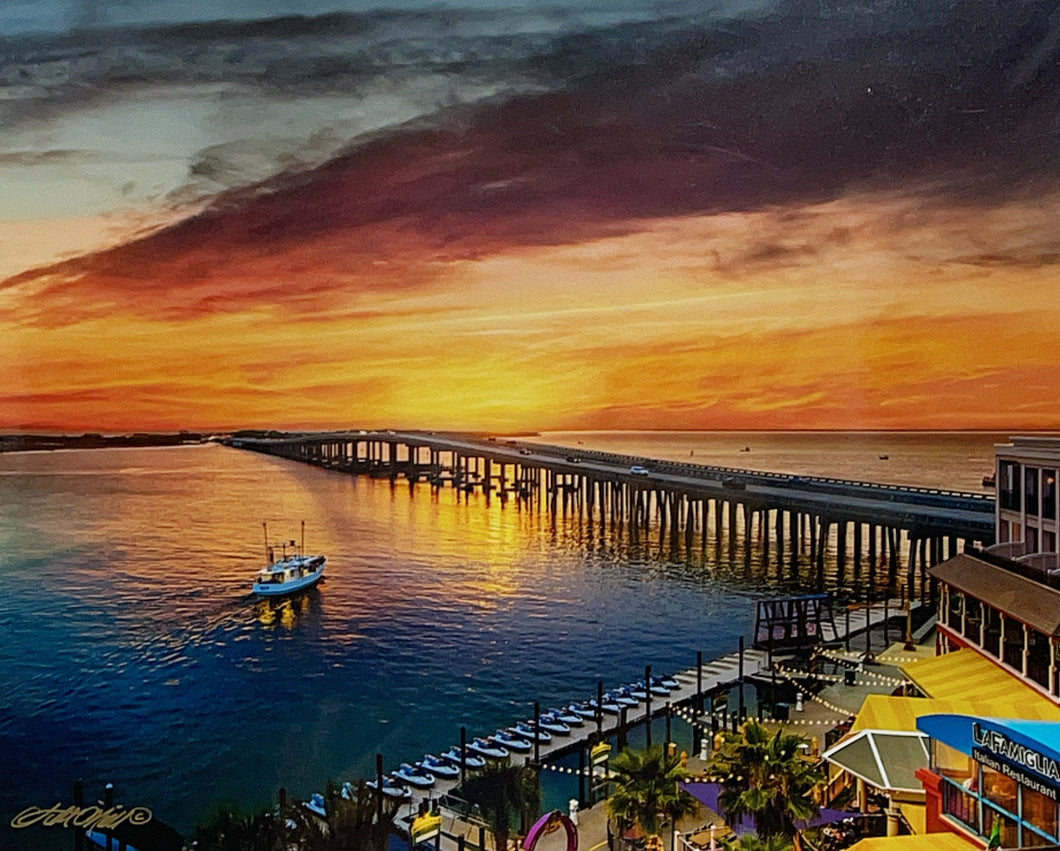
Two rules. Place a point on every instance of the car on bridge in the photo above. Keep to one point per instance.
(638, 470)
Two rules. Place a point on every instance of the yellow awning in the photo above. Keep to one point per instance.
(968, 675)
(963, 683)
(922, 842)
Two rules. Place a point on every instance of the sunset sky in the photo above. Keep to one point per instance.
(513, 215)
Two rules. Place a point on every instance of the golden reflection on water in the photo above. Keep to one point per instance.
(284, 612)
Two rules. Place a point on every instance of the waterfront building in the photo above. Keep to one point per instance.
(1027, 507)
(989, 713)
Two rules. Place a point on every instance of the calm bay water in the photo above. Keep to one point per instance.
(133, 653)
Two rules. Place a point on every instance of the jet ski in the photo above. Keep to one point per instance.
(470, 760)
(527, 731)
(550, 722)
(510, 741)
(582, 710)
(418, 777)
(315, 805)
(622, 697)
(438, 766)
(392, 788)
(608, 706)
(566, 716)
(489, 749)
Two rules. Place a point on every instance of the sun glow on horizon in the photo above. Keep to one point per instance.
(754, 320)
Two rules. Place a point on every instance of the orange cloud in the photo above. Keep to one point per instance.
(873, 311)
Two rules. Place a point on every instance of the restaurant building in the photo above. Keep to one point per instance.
(990, 705)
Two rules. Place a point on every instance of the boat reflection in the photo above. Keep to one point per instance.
(285, 612)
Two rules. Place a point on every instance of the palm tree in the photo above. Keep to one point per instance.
(350, 823)
(230, 830)
(508, 796)
(647, 790)
(767, 776)
(754, 842)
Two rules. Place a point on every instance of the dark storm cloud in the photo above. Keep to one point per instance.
(682, 116)
(684, 113)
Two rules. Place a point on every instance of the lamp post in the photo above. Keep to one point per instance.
(909, 643)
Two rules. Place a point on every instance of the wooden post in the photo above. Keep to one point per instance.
(378, 788)
(741, 679)
(283, 814)
(697, 730)
(599, 708)
(647, 704)
(463, 755)
(537, 733)
(582, 799)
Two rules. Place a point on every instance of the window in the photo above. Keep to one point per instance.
(977, 796)
(1049, 494)
(1038, 657)
(973, 617)
(1030, 491)
(1040, 810)
(961, 805)
(1007, 486)
(992, 631)
(953, 765)
(953, 610)
(1000, 790)
(1013, 645)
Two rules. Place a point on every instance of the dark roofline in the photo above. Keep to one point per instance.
(1005, 586)
(1027, 571)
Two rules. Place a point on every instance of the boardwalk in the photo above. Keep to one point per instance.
(716, 675)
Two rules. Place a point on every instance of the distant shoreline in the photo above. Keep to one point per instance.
(38, 442)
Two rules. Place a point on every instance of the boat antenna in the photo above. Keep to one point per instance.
(303, 539)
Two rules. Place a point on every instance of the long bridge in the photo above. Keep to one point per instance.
(863, 522)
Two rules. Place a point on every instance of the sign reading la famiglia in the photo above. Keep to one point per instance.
(1026, 751)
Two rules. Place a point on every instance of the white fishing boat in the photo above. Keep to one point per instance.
(292, 571)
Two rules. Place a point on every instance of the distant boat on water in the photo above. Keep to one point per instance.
(288, 573)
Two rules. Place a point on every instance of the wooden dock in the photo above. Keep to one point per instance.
(695, 684)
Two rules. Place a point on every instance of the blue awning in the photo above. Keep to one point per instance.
(957, 731)
(1032, 746)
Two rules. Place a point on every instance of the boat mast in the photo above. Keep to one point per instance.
(302, 553)
(268, 554)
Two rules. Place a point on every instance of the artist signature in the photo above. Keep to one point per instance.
(89, 818)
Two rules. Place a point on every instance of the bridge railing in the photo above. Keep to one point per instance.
(824, 484)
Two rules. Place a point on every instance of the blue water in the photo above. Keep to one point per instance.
(132, 652)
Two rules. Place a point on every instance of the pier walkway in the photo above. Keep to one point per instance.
(686, 701)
